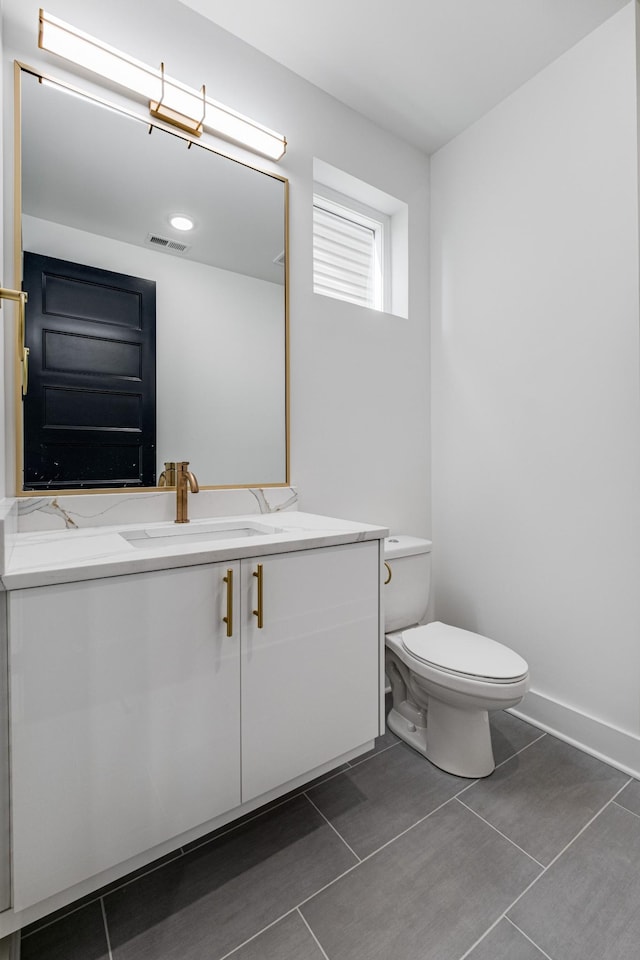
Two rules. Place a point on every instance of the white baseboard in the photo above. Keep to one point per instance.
(617, 747)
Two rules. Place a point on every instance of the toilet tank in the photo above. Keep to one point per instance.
(408, 576)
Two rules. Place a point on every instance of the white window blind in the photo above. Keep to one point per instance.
(347, 254)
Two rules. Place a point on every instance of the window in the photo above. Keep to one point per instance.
(350, 250)
(360, 242)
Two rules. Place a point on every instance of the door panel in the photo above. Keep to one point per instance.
(92, 380)
(73, 353)
(68, 296)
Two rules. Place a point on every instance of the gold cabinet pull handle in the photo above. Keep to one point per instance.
(388, 580)
(229, 617)
(259, 612)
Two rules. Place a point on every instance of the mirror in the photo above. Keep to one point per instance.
(98, 186)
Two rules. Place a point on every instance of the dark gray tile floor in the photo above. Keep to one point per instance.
(390, 857)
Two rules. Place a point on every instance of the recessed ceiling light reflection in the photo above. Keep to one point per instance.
(180, 222)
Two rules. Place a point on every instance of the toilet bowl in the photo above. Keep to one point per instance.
(444, 680)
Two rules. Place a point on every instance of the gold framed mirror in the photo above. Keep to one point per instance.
(95, 188)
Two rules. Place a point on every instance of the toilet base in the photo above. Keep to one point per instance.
(412, 733)
(457, 741)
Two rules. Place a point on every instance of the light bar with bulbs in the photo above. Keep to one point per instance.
(168, 99)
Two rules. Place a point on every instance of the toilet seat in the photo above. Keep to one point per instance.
(461, 653)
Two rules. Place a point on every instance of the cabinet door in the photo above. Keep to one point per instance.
(124, 720)
(310, 681)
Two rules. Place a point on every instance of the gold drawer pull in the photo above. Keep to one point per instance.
(229, 617)
(258, 613)
(388, 580)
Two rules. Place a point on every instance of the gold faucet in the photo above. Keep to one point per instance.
(168, 476)
(185, 479)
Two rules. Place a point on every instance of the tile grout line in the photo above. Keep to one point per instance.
(334, 880)
(587, 824)
(106, 927)
(472, 783)
(521, 750)
(542, 873)
(99, 896)
(180, 851)
(499, 832)
(372, 854)
(328, 822)
(490, 929)
(320, 947)
(257, 934)
(259, 812)
(566, 847)
(25, 936)
(476, 943)
(356, 763)
(466, 787)
(331, 882)
(543, 952)
(403, 832)
(622, 807)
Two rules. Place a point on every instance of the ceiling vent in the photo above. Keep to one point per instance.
(165, 243)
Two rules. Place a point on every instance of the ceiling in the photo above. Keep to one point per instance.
(423, 69)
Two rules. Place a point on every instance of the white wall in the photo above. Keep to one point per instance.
(219, 359)
(359, 393)
(536, 414)
(6, 279)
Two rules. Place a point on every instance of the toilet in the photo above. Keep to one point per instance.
(444, 680)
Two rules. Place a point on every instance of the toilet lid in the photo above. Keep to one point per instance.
(461, 651)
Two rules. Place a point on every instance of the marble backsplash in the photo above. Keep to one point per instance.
(8, 525)
(98, 510)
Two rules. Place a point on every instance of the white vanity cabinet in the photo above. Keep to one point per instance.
(125, 720)
(135, 718)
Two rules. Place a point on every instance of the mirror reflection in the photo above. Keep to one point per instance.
(147, 343)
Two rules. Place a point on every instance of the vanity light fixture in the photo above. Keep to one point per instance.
(181, 222)
(168, 99)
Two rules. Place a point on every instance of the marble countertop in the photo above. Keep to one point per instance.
(63, 556)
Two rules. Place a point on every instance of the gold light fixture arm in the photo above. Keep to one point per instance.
(20, 297)
(161, 111)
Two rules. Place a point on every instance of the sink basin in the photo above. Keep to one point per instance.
(175, 535)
